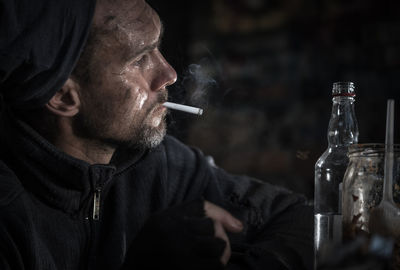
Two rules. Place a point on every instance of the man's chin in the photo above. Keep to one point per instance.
(147, 136)
(150, 136)
(154, 132)
(153, 137)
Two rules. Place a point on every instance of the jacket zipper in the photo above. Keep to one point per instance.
(96, 204)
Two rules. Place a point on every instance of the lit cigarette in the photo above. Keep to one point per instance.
(184, 108)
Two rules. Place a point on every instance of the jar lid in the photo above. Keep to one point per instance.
(370, 149)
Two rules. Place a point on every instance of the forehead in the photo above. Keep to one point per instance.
(131, 22)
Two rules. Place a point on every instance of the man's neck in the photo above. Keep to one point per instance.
(59, 132)
(91, 152)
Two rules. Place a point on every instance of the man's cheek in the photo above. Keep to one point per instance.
(136, 99)
(136, 93)
(141, 97)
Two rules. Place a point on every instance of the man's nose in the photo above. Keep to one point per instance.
(165, 74)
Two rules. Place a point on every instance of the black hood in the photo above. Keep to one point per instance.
(40, 43)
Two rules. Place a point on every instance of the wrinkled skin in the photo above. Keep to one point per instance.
(121, 104)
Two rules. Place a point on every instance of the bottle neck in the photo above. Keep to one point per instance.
(343, 127)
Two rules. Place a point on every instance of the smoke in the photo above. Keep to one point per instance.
(202, 85)
(199, 83)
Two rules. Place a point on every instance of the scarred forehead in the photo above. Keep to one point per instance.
(128, 21)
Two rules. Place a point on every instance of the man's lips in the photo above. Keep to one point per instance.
(157, 104)
(159, 108)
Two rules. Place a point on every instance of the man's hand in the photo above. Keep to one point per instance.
(223, 220)
(187, 236)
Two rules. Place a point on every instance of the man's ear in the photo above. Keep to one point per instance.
(66, 101)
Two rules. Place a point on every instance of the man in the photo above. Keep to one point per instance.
(88, 178)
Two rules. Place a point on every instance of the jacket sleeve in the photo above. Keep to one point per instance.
(278, 231)
(10, 257)
(3, 262)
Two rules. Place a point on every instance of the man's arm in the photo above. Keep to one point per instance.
(278, 224)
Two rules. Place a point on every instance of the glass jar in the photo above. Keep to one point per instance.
(363, 186)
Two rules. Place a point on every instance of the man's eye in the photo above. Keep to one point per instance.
(140, 60)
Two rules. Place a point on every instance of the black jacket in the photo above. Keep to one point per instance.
(49, 218)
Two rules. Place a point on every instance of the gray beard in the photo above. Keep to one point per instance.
(143, 136)
(151, 138)
(88, 125)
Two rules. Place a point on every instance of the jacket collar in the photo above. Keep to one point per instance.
(52, 175)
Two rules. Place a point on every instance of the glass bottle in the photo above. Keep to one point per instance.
(331, 167)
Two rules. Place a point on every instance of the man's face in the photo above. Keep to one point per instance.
(122, 102)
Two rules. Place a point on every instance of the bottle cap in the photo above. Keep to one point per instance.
(343, 89)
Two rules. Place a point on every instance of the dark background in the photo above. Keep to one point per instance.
(263, 71)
